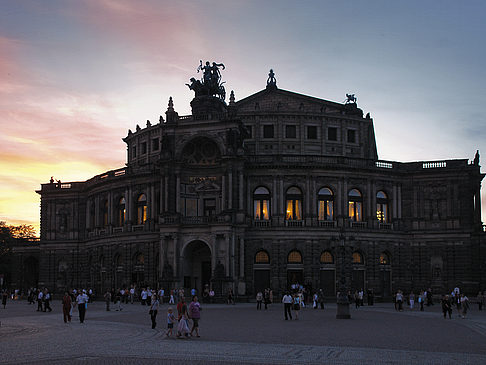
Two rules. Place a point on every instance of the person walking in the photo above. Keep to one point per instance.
(82, 300)
(66, 307)
(287, 301)
(170, 322)
(421, 299)
(411, 299)
(47, 300)
(399, 298)
(171, 299)
(356, 299)
(266, 297)
(154, 308)
(118, 298)
(259, 300)
(320, 298)
(40, 296)
(230, 296)
(182, 327)
(195, 314)
(465, 305)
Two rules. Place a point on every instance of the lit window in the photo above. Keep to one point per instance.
(327, 258)
(357, 258)
(262, 257)
(294, 257)
(382, 207)
(261, 203)
(326, 204)
(121, 212)
(141, 209)
(384, 259)
(294, 204)
(355, 202)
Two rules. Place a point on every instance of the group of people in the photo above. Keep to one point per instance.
(266, 297)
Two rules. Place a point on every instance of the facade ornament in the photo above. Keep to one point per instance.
(351, 99)
(210, 84)
(476, 158)
(232, 97)
(171, 105)
(271, 81)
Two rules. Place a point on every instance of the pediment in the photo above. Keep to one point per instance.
(277, 100)
(206, 186)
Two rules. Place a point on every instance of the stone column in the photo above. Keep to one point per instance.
(161, 202)
(395, 202)
(223, 192)
(152, 202)
(242, 257)
(110, 208)
(97, 211)
(178, 193)
(166, 193)
(230, 189)
(399, 201)
(240, 203)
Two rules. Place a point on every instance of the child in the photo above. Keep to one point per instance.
(170, 322)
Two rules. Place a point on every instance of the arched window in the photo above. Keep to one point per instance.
(382, 207)
(326, 204)
(102, 261)
(384, 259)
(104, 213)
(294, 257)
(121, 212)
(357, 258)
(327, 258)
(141, 209)
(139, 259)
(261, 203)
(118, 260)
(294, 204)
(262, 257)
(355, 202)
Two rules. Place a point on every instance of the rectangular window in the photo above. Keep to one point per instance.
(351, 136)
(312, 132)
(355, 211)
(155, 144)
(134, 152)
(325, 210)
(261, 209)
(290, 131)
(268, 131)
(144, 148)
(294, 209)
(332, 134)
(209, 207)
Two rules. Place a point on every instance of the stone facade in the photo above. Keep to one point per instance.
(273, 189)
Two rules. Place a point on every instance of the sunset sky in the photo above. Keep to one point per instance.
(76, 75)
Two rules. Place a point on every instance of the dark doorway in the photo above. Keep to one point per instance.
(262, 280)
(328, 282)
(295, 277)
(31, 272)
(385, 278)
(197, 265)
(358, 280)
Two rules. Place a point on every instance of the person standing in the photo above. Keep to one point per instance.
(161, 295)
(170, 322)
(465, 305)
(356, 299)
(66, 307)
(154, 309)
(287, 301)
(230, 296)
(421, 299)
(399, 298)
(132, 294)
(411, 299)
(446, 306)
(195, 314)
(118, 298)
(259, 300)
(40, 296)
(4, 298)
(297, 304)
(320, 298)
(171, 299)
(143, 296)
(266, 297)
(107, 298)
(82, 300)
(183, 327)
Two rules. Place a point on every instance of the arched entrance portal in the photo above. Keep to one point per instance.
(197, 266)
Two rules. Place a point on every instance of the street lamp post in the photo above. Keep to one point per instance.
(342, 299)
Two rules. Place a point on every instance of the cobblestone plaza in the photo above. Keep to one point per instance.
(241, 334)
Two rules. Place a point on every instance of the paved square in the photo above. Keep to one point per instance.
(241, 334)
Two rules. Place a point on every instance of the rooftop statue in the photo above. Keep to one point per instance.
(271, 81)
(350, 98)
(210, 83)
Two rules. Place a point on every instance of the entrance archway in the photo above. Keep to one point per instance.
(197, 266)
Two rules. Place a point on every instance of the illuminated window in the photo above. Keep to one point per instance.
(294, 204)
(384, 259)
(382, 207)
(262, 257)
(355, 202)
(326, 204)
(261, 203)
(357, 258)
(141, 209)
(121, 212)
(294, 257)
(327, 258)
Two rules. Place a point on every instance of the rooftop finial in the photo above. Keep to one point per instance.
(171, 105)
(271, 81)
(232, 98)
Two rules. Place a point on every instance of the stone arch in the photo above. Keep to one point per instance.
(196, 265)
(200, 151)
